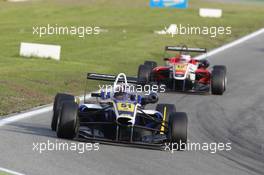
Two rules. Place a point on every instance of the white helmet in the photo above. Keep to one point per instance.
(185, 58)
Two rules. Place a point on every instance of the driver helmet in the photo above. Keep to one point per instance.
(120, 92)
(185, 58)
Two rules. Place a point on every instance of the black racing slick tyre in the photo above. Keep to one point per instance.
(68, 122)
(144, 74)
(151, 64)
(59, 99)
(223, 68)
(218, 80)
(178, 123)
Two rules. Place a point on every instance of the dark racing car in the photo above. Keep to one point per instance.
(118, 116)
(184, 73)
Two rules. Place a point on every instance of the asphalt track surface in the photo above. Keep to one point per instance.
(236, 117)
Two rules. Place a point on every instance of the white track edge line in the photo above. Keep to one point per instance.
(28, 114)
(10, 171)
(231, 44)
(24, 115)
(213, 52)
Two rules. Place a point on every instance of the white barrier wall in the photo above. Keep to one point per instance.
(40, 50)
(212, 13)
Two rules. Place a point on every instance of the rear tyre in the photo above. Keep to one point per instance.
(178, 123)
(68, 122)
(151, 64)
(59, 99)
(223, 68)
(144, 73)
(218, 80)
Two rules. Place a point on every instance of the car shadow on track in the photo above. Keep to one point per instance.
(28, 128)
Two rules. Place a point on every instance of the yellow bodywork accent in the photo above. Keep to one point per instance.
(127, 107)
(163, 121)
(181, 67)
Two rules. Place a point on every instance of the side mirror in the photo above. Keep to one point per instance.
(151, 98)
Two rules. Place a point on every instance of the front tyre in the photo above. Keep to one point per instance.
(177, 129)
(59, 99)
(68, 121)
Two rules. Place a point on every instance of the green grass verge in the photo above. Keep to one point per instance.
(28, 82)
(2, 173)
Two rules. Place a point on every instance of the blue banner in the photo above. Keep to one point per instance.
(169, 3)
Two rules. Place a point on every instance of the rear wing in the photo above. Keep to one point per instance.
(185, 49)
(112, 78)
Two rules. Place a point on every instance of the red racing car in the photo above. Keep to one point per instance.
(184, 73)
